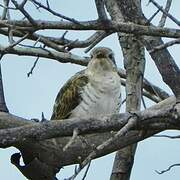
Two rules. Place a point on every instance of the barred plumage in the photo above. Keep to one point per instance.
(93, 92)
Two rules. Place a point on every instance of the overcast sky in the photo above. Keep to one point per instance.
(29, 97)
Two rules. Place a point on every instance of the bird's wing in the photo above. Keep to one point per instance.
(69, 96)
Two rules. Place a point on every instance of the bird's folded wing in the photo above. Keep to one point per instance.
(69, 96)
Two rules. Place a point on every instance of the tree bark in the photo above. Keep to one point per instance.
(36, 149)
(134, 62)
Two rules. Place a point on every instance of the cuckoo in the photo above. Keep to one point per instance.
(93, 92)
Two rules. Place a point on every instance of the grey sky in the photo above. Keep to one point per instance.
(28, 97)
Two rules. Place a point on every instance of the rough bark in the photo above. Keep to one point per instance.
(133, 52)
(23, 25)
(42, 144)
(165, 63)
(164, 115)
(3, 106)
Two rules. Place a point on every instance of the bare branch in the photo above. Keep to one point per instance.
(151, 91)
(152, 17)
(15, 43)
(168, 169)
(5, 10)
(24, 12)
(93, 39)
(54, 13)
(165, 45)
(166, 13)
(3, 106)
(58, 56)
(50, 43)
(40, 131)
(101, 10)
(87, 169)
(167, 136)
(164, 16)
(165, 63)
(99, 149)
(32, 68)
(97, 40)
(143, 102)
(74, 136)
(93, 25)
(50, 151)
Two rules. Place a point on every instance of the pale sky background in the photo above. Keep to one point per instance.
(28, 97)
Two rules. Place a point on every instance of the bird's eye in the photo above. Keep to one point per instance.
(110, 56)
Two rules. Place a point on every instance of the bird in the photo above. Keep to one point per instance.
(93, 92)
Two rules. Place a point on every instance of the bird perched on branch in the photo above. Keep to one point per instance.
(93, 92)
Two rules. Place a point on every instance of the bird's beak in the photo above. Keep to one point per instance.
(100, 55)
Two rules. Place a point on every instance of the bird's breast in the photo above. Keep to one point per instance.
(101, 96)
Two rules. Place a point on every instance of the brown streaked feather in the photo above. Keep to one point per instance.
(69, 96)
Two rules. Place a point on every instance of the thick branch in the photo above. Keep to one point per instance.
(93, 25)
(151, 91)
(59, 41)
(39, 131)
(134, 63)
(50, 152)
(165, 64)
(58, 56)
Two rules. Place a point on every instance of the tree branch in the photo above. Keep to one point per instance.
(165, 64)
(58, 56)
(26, 135)
(62, 40)
(164, 12)
(164, 16)
(40, 5)
(93, 25)
(11, 134)
(168, 169)
(165, 45)
(101, 10)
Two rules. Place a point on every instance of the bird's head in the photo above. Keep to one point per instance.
(102, 59)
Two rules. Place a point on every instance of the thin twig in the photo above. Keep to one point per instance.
(48, 5)
(10, 36)
(71, 141)
(55, 13)
(24, 12)
(131, 123)
(39, 51)
(23, 3)
(12, 8)
(164, 16)
(16, 43)
(167, 136)
(165, 45)
(143, 102)
(167, 14)
(123, 101)
(33, 67)
(51, 44)
(67, 47)
(168, 169)
(97, 40)
(5, 10)
(152, 17)
(161, 94)
(87, 169)
(64, 34)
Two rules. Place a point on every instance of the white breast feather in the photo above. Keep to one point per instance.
(101, 96)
